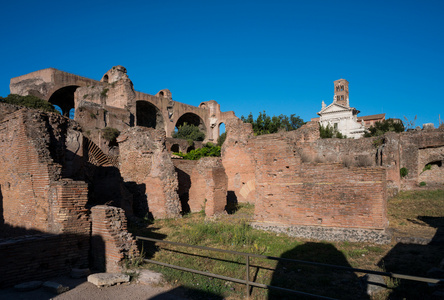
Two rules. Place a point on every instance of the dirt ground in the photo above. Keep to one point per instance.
(80, 289)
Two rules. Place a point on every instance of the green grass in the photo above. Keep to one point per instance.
(233, 232)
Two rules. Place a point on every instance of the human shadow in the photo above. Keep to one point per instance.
(417, 258)
(317, 280)
(183, 292)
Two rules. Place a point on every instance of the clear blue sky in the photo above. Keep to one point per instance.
(249, 56)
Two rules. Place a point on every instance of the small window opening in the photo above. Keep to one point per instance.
(105, 78)
(161, 93)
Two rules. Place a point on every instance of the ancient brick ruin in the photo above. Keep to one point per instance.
(64, 186)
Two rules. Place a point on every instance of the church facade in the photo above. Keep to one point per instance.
(343, 118)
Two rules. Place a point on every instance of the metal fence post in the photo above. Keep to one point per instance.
(248, 276)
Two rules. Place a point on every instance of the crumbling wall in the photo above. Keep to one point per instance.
(32, 146)
(238, 162)
(36, 199)
(306, 198)
(208, 186)
(145, 161)
(111, 242)
(184, 168)
(417, 149)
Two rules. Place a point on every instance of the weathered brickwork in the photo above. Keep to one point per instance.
(294, 193)
(40, 257)
(238, 161)
(145, 161)
(202, 185)
(33, 194)
(111, 242)
(35, 199)
(208, 186)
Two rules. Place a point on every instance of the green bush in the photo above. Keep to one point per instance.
(330, 132)
(29, 101)
(221, 139)
(385, 126)
(208, 150)
(403, 172)
(427, 167)
(189, 132)
(422, 183)
(110, 134)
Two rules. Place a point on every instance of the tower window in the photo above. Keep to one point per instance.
(342, 87)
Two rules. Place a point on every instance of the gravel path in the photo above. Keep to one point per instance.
(80, 289)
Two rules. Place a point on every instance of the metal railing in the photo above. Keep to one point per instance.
(249, 283)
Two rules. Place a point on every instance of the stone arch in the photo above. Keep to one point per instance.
(191, 119)
(148, 115)
(219, 127)
(64, 98)
(175, 148)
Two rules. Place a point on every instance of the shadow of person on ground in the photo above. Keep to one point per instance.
(316, 280)
(183, 293)
(411, 258)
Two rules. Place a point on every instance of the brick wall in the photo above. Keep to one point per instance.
(42, 256)
(111, 242)
(208, 186)
(145, 161)
(238, 161)
(202, 184)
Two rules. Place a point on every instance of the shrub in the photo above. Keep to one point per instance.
(29, 101)
(385, 126)
(221, 139)
(330, 132)
(208, 150)
(403, 172)
(189, 132)
(427, 167)
(110, 134)
(422, 183)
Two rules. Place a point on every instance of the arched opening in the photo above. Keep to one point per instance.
(189, 132)
(221, 128)
(105, 78)
(175, 148)
(64, 99)
(148, 115)
(222, 134)
(190, 148)
(161, 94)
(437, 163)
(191, 119)
(72, 113)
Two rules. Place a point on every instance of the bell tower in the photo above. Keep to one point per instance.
(341, 92)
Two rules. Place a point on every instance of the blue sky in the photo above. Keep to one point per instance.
(249, 56)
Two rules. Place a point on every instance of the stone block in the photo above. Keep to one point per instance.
(28, 286)
(55, 287)
(108, 279)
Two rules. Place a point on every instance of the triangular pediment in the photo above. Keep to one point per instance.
(335, 107)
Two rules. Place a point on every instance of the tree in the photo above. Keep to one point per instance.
(189, 132)
(385, 126)
(265, 124)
